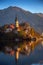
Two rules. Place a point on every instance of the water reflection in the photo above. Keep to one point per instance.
(25, 47)
(24, 51)
(42, 43)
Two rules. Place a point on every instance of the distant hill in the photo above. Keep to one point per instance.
(40, 14)
(7, 16)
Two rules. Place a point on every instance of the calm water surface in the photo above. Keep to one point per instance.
(35, 57)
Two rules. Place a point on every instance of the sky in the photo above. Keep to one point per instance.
(34, 6)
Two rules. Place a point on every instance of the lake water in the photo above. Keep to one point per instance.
(35, 58)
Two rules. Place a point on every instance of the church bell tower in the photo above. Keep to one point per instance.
(16, 23)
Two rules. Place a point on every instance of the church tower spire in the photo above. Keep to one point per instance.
(16, 22)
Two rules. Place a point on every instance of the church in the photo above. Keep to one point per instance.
(17, 24)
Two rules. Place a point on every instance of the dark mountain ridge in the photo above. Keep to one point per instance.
(7, 16)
